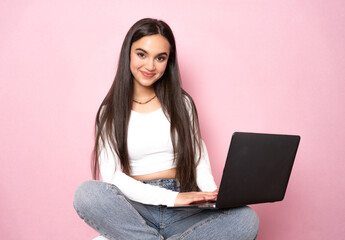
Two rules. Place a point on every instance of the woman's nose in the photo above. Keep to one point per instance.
(150, 65)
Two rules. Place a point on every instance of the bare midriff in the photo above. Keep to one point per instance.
(166, 174)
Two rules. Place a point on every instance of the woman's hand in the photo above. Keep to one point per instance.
(186, 198)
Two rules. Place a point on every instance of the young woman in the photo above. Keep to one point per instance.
(150, 155)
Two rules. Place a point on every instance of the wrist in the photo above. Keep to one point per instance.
(172, 199)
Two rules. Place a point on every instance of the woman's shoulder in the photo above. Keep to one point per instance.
(190, 106)
(188, 100)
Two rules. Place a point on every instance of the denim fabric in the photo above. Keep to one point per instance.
(105, 208)
(170, 184)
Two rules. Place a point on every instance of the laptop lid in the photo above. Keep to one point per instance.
(257, 169)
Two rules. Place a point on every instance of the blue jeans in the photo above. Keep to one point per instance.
(106, 209)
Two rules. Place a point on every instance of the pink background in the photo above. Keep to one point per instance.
(261, 66)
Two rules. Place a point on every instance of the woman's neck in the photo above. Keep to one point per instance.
(144, 100)
(141, 93)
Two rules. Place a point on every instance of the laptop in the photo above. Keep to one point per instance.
(257, 170)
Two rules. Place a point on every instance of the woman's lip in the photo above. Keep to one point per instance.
(147, 74)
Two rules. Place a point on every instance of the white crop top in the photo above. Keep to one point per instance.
(150, 150)
(149, 143)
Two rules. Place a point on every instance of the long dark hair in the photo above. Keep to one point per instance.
(114, 113)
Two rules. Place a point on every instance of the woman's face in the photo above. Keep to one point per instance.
(149, 58)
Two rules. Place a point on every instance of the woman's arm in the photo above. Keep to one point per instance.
(137, 191)
(204, 180)
(111, 172)
(204, 176)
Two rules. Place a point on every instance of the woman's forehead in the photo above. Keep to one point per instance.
(152, 44)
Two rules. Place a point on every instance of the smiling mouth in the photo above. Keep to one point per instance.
(148, 75)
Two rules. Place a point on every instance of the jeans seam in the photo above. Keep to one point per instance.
(121, 195)
(161, 224)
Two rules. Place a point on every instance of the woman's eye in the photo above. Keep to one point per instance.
(161, 59)
(141, 55)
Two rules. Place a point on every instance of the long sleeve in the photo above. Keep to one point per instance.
(204, 177)
(111, 172)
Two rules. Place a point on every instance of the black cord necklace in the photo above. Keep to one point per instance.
(146, 101)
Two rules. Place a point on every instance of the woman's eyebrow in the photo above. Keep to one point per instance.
(163, 53)
(160, 54)
(140, 49)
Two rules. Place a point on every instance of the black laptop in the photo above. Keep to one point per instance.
(257, 170)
